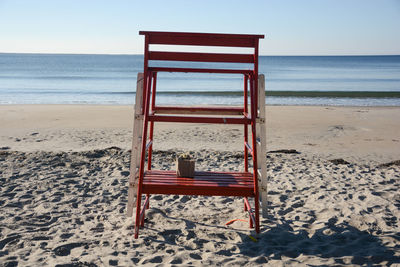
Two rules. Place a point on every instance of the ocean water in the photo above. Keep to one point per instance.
(111, 79)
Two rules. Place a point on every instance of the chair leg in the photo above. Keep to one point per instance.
(137, 218)
(142, 220)
(148, 202)
(251, 224)
(249, 210)
(257, 213)
(145, 207)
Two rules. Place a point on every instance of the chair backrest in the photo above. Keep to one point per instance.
(204, 40)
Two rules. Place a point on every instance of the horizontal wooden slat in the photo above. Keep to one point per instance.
(201, 57)
(202, 39)
(199, 110)
(199, 181)
(199, 191)
(201, 34)
(167, 69)
(203, 183)
(204, 178)
(193, 119)
(200, 174)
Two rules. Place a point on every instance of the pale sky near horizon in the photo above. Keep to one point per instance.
(308, 27)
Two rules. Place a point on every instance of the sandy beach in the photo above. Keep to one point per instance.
(333, 188)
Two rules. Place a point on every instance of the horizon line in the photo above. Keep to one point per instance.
(140, 54)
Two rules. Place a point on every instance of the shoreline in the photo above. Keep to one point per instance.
(266, 105)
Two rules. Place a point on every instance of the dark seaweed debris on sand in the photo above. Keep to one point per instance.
(339, 162)
(390, 164)
(284, 151)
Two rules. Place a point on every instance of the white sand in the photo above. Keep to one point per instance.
(64, 190)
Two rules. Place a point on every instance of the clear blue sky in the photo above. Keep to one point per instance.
(307, 27)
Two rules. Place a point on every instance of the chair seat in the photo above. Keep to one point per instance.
(203, 183)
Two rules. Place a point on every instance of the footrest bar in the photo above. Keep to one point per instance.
(142, 212)
(148, 145)
(250, 211)
(248, 146)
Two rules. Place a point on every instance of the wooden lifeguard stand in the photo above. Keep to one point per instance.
(248, 184)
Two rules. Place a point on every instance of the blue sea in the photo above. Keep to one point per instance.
(111, 79)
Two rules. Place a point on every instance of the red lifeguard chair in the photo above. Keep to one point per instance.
(247, 184)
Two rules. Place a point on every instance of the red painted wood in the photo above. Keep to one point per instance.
(143, 212)
(248, 147)
(151, 133)
(251, 213)
(216, 110)
(209, 178)
(193, 119)
(201, 57)
(202, 39)
(245, 127)
(167, 69)
(149, 144)
(200, 34)
(203, 183)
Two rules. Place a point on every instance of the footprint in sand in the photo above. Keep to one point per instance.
(65, 250)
